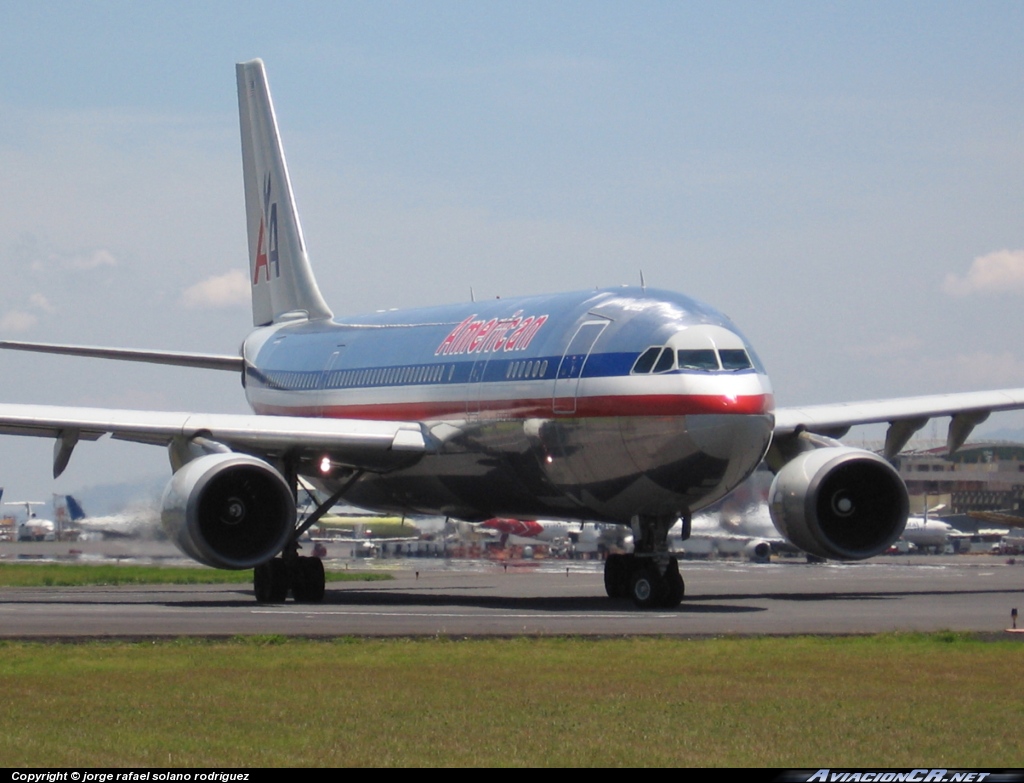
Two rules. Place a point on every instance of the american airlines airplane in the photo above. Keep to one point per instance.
(628, 405)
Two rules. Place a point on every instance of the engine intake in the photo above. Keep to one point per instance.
(228, 510)
(840, 503)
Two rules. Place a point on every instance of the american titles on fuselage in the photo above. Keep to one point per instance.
(496, 334)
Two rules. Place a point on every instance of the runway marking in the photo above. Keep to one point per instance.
(477, 614)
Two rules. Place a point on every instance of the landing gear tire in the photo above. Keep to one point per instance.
(270, 582)
(675, 588)
(617, 572)
(647, 587)
(309, 582)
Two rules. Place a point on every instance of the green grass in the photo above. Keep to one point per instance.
(940, 700)
(63, 575)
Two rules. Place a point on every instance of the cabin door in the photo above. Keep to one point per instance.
(570, 369)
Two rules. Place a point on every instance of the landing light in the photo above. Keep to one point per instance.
(325, 465)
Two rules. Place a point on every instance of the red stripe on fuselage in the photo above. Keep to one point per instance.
(586, 407)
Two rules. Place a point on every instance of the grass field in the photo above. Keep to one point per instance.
(64, 575)
(938, 700)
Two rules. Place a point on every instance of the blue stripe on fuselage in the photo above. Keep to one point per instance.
(540, 368)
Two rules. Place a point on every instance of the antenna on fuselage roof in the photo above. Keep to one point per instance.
(472, 296)
(643, 283)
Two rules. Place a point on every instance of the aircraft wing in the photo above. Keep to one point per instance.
(370, 445)
(905, 415)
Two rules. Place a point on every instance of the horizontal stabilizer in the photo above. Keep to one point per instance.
(206, 361)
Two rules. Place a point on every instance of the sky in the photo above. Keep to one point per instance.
(845, 180)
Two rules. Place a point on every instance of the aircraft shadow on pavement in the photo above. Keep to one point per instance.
(596, 604)
(451, 595)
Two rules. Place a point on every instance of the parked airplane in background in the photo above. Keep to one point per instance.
(134, 523)
(539, 529)
(580, 538)
(624, 405)
(751, 536)
(926, 533)
(33, 528)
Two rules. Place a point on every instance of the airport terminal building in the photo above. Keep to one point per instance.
(979, 477)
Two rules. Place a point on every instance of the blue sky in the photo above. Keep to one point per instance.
(846, 180)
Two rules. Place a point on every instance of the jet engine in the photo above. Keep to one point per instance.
(228, 510)
(839, 502)
(758, 551)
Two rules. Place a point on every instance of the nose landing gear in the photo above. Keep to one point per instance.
(641, 579)
(650, 576)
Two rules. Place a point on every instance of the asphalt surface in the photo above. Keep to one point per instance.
(963, 593)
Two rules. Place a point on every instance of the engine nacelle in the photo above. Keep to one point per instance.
(228, 510)
(758, 551)
(841, 503)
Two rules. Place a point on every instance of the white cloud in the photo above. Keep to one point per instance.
(23, 320)
(90, 259)
(17, 321)
(228, 290)
(96, 258)
(40, 302)
(999, 271)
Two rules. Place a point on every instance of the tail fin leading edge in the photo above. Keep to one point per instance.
(279, 271)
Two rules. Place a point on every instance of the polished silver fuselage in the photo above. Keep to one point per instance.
(539, 406)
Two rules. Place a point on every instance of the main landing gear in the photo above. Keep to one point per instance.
(303, 576)
(650, 576)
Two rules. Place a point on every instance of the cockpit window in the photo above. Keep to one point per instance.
(704, 348)
(734, 359)
(646, 360)
(698, 359)
(666, 361)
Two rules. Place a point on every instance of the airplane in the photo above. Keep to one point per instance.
(751, 536)
(926, 533)
(352, 523)
(582, 539)
(140, 522)
(631, 406)
(539, 529)
(33, 528)
(366, 526)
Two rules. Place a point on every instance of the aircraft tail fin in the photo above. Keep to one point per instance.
(279, 271)
(75, 510)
